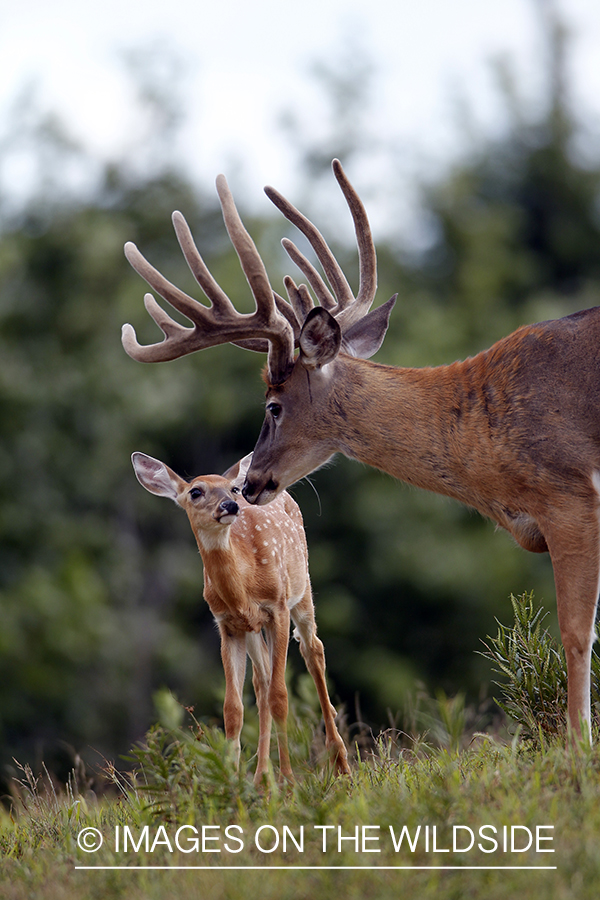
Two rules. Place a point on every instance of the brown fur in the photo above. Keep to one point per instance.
(513, 432)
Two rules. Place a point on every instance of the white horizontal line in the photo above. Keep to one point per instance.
(316, 868)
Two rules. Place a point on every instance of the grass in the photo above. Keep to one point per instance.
(184, 804)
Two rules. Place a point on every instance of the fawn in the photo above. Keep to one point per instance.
(255, 578)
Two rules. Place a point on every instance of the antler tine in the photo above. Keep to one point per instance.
(221, 303)
(276, 326)
(366, 248)
(281, 332)
(300, 300)
(170, 292)
(346, 308)
(252, 265)
(331, 267)
(321, 290)
(293, 310)
(179, 340)
(272, 327)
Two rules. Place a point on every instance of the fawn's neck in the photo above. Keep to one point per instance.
(221, 558)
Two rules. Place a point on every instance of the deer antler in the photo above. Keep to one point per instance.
(271, 327)
(275, 325)
(346, 308)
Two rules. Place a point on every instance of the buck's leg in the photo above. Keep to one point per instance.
(261, 678)
(575, 552)
(313, 652)
(278, 636)
(233, 654)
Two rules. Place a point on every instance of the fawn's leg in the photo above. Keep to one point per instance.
(311, 648)
(233, 654)
(261, 679)
(278, 635)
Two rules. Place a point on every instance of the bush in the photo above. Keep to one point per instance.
(534, 692)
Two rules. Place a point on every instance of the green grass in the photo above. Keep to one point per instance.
(187, 779)
(182, 785)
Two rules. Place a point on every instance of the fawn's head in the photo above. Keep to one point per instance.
(212, 502)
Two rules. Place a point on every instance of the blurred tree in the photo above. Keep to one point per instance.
(344, 88)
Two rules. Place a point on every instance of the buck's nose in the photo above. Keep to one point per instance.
(258, 493)
(250, 490)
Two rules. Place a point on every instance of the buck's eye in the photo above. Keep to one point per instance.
(196, 493)
(274, 409)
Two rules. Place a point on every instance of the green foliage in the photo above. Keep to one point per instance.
(183, 773)
(100, 591)
(488, 783)
(534, 691)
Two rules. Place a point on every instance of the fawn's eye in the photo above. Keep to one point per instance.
(235, 490)
(274, 409)
(196, 493)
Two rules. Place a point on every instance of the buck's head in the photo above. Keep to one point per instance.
(212, 502)
(297, 435)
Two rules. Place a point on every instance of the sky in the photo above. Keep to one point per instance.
(243, 63)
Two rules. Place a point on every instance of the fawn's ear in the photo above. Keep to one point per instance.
(237, 473)
(155, 476)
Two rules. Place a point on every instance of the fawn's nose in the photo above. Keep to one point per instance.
(228, 508)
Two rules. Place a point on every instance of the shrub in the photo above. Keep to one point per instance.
(534, 691)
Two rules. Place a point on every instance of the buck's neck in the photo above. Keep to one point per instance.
(429, 427)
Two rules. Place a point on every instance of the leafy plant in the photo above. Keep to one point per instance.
(183, 770)
(534, 692)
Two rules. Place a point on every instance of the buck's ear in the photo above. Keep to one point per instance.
(237, 472)
(366, 337)
(155, 476)
(320, 339)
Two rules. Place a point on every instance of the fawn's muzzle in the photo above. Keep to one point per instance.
(227, 509)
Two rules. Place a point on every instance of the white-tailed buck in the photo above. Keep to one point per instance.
(255, 579)
(513, 431)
